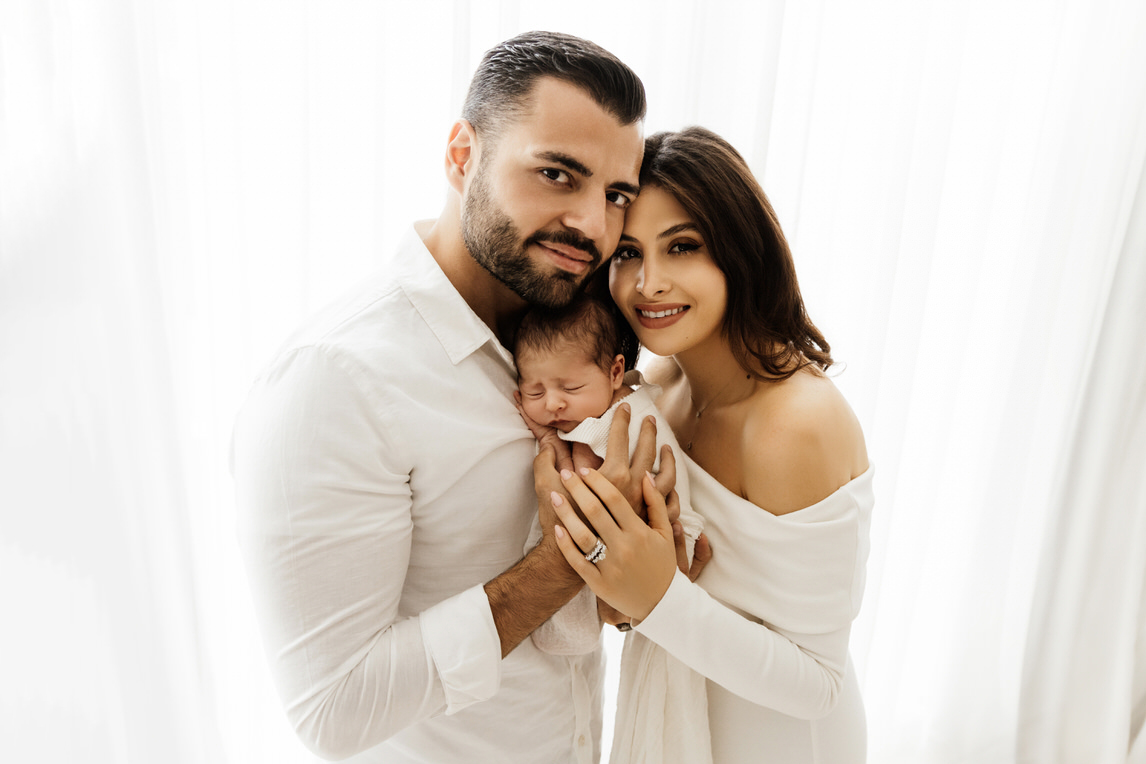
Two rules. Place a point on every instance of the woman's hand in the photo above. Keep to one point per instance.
(640, 559)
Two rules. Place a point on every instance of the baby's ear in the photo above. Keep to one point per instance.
(617, 372)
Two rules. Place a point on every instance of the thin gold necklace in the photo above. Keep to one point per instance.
(700, 410)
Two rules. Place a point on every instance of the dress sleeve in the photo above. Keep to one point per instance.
(796, 674)
(325, 526)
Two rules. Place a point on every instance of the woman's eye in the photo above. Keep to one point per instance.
(626, 253)
(555, 176)
(681, 247)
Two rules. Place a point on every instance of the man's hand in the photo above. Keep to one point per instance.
(626, 474)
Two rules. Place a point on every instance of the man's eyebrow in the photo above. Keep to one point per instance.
(569, 163)
(565, 161)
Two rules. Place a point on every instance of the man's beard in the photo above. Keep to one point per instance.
(495, 243)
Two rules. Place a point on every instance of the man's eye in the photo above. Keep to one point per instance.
(554, 175)
(619, 199)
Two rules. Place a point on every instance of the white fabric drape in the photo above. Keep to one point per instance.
(1084, 679)
(181, 182)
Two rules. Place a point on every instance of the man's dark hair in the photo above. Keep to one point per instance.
(586, 323)
(500, 89)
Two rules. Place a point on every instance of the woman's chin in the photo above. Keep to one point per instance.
(658, 344)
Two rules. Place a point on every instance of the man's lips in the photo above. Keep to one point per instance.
(566, 257)
(660, 316)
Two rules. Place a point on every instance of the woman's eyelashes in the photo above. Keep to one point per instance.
(628, 252)
(683, 247)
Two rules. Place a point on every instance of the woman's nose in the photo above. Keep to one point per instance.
(650, 281)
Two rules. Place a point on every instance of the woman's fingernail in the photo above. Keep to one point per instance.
(558, 531)
(650, 477)
(556, 498)
(584, 470)
(566, 474)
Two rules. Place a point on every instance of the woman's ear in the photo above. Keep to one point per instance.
(617, 372)
(461, 150)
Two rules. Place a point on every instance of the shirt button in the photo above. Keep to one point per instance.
(581, 740)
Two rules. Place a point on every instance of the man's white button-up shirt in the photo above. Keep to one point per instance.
(383, 476)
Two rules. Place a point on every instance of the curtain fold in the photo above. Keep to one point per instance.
(1084, 673)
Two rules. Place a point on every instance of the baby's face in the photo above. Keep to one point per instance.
(560, 389)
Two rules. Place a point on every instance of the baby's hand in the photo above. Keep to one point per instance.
(546, 436)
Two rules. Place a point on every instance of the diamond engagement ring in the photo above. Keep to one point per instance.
(598, 553)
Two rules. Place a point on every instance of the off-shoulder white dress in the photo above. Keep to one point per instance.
(767, 623)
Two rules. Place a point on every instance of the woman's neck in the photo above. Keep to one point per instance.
(709, 369)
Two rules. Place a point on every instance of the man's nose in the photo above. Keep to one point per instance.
(587, 216)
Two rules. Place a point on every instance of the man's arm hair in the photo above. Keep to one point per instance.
(526, 595)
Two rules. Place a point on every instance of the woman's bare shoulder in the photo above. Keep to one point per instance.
(802, 442)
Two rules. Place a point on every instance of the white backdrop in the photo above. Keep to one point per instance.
(182, 181)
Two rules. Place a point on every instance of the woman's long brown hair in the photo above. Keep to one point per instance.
(765, 322)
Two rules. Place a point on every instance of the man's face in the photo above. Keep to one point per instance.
(546, 203)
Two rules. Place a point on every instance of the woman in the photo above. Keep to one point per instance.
(776, 461)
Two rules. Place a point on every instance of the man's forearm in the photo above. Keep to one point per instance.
(526, 595)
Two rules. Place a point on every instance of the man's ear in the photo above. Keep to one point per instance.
(461, 151)
(617, 373)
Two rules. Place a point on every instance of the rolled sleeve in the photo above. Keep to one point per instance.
(462, 639)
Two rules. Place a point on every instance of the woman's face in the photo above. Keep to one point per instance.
(663, 278)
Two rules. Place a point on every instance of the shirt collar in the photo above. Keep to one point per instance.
(446, 312)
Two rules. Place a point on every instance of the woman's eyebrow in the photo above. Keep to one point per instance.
(678, 228)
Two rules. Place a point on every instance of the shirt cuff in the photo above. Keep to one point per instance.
(462, 639)
(664, 619)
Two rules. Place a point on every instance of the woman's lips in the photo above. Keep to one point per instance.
(660, 316)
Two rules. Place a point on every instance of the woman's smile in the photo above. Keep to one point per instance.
(659, 317)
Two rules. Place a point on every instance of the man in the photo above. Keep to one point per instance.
(383, 473)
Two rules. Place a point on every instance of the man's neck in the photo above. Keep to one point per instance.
(493, 302)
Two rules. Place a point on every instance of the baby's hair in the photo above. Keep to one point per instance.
(584, 323)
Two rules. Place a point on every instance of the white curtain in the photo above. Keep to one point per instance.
(181, 182)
